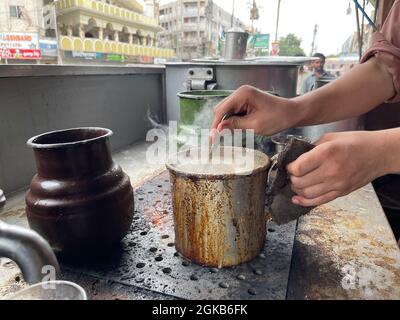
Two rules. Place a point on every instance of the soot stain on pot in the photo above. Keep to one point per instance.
(192, 215)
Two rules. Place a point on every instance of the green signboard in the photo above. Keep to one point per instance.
(259, 41)
(115, 57)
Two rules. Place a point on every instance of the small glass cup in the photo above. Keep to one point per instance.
(51, 290)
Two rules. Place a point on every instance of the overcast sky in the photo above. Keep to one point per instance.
(299, 17)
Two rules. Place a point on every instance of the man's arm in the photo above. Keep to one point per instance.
(342, 162)
(390, 140)
(353, 94)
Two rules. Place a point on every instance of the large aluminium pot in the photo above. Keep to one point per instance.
(219, 215)
(79, 200)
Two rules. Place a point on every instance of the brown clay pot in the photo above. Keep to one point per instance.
(79, 200)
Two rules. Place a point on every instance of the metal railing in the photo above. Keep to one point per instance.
(107, 10)
(68, 43)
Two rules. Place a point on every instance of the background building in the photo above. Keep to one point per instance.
(349, 55)
(21, 28)
(79, 31)
(20, 16)
(108, 31)
(194, 28)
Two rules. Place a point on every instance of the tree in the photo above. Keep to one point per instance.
(290, 46)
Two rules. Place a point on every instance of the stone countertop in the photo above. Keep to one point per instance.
(345, 249)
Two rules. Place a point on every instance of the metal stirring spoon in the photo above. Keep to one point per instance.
(226, 116)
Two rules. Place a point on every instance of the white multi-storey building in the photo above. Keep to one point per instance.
(193, 28)
(21, 16)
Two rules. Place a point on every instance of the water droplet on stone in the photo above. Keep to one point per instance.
(194, 277)
(252, 291)
(258, 272)
(214, 270)
(140, 265)
(224, 285)
(241, 277)
(167, 270)
(159, 258)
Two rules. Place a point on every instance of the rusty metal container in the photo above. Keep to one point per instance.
(219, 216)
(80, 201)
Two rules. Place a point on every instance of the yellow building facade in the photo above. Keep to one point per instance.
(115, 27)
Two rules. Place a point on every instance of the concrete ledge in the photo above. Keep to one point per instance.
(38, 70)
(38, 99)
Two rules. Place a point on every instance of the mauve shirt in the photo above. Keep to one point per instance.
(386, 47)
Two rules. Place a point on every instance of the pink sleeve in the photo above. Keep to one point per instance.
(386, 47)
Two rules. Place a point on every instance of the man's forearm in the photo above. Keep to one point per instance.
(355, 93)
(389, 149)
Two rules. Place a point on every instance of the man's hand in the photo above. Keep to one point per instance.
(339, 164)
(265, 113)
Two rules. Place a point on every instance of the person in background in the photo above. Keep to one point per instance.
(341, 162)
(303, 74)
(318, 71)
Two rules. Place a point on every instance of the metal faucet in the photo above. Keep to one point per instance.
(28, 249)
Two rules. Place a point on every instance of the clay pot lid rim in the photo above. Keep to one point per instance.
(34, 145)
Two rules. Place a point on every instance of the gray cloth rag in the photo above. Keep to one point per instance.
(279, 193)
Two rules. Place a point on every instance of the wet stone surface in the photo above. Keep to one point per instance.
(147, 257)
